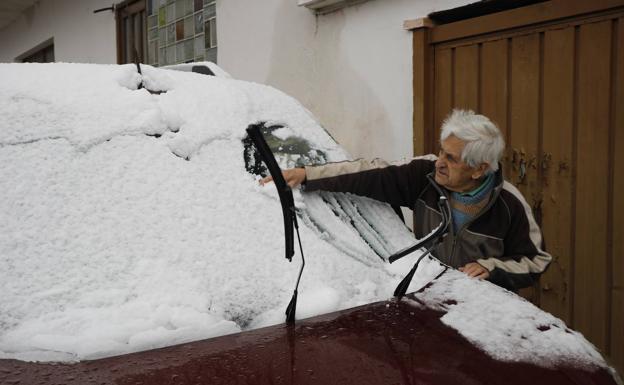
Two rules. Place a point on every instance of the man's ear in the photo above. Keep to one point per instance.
(480, 170)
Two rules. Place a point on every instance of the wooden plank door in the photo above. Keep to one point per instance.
(556, 91)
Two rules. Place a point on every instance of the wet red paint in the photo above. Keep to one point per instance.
(380, 343)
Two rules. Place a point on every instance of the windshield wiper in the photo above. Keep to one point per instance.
(429, 242)
(288, 208)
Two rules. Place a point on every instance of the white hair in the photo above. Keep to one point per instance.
(484, 141)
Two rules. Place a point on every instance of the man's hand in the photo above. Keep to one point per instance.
(473, 269)
(293, 177)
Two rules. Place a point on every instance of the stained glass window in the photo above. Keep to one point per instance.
(210, 32)
(162, 35)
(152, 21)
(170, 55)
(199, 22)
(162, 16)
(188, 50)
(170, 13)
(213, 32)
(188, 7)
(189, 27)
(181, 31)
(180, 51)
(180, 7)
(210, 11)
(171, 33)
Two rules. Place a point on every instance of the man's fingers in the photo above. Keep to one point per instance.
(470, 269)
(266, 180)
(483, 275)
(475, 270)
(294, 176)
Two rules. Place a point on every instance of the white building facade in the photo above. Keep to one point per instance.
(77, 34)
(351, 67)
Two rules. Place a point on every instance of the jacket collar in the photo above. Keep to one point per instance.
(498, 181)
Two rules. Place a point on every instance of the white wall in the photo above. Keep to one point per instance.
(352, 68)
(79, 34)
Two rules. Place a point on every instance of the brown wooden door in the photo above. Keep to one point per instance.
(556, 89)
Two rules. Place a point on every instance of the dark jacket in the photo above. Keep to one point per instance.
(503, 237)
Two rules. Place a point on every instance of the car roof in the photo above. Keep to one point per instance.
(206, 68)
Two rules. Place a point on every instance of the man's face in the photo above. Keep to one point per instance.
(453, 173)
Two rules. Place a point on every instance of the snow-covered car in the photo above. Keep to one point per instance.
(205, 68)
(137, 246)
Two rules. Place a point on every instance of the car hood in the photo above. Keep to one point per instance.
(380, 343)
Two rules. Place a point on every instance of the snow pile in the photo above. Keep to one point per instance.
(506, 326)
(128, 220)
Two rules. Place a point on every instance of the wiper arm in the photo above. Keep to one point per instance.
(288, 209)
(430, 241)
(436, 234)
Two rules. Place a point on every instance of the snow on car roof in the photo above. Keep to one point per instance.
(215, 69)
(129, 223)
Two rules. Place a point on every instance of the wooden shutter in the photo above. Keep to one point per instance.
(131, 31)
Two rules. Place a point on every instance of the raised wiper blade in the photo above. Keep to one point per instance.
(435, 235)
(430, 241)
(425, 242)
(288, 209)
(284, 191)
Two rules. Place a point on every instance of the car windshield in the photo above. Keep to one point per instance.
(361, 227)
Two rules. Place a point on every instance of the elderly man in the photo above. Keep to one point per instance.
(494, 235)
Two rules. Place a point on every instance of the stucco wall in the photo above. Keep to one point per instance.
(352, 68)
(79, 34)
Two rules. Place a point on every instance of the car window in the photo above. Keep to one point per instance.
(290, 152)
(361, 227)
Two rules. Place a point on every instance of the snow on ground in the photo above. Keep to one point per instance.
(128, 222)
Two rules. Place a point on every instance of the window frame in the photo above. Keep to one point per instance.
(127, 14)
(40, 49)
